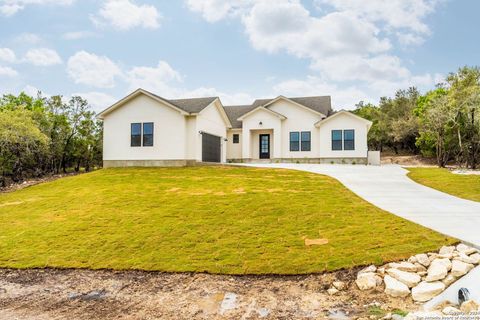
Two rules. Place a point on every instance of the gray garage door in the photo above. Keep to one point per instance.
(210, 148)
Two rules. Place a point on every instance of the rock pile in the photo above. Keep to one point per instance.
(422, 276)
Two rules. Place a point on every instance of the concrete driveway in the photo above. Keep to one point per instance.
(389, 188)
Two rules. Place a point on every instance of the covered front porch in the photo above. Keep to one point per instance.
(261, 144)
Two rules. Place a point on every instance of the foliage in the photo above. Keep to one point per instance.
(466, 186)
(233, 220)
(40, 135)
(444, 122)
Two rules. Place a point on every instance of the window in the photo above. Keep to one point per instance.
(236, 138)
(348, 139)
(336, 140)
(294, 141)
(306, 143)
(148, 134)
(136, 135)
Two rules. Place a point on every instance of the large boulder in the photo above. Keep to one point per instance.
(366, 280)
(395, 288)
(422, 258)
(427, 290)
(464, 258)
(449, 279)
(370, 268)
(475, 257)
(460, 268)
(438, 270)
(408, 278)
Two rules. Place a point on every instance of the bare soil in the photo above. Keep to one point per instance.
(34, 181)
(85, 294)
(408, 160)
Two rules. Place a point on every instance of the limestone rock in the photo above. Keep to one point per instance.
(332, 291)
(460, 268)
(422, 258)
(412, 259)
(466, 249)
(371, 268)
(446, 250)
(427, 290)
(403, 266)
(475, 257)
(366, 280)
(395, 288)
(409, 278)
(437, 270)
(449, 279)
(339, 285)
(469, 306)
(464, 258)
(450, 310)
(420, 267)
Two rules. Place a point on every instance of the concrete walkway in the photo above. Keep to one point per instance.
(389, 188)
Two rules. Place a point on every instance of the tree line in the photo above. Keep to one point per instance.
(442, 123)
(40, 136)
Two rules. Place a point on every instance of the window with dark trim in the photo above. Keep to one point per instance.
(148, 134)
(236, 138)
(136, 135)
(306, 143)
(348, 139)
(294, 141)
(337, 140)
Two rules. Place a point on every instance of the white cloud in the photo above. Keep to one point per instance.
(342, 98)
(8, 72)
(345, 41)
(156, 79)
(227, 98)
(125, 15)
(76, 35)
(33, 91)
(42, 57)
(215, 10)
(11, 7)
(92, 70)
(28, 38)
(7, 55)
(98, 100)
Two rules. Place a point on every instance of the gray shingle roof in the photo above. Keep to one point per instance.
(235, 112)
(192, 105)
(320, 104)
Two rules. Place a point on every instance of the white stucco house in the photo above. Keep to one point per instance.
(144, 129)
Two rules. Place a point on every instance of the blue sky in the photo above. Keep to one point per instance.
(239, 49)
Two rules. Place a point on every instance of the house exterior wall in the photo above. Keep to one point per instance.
(298, 119)
(210, 121)
(169, 131)
(344, 122)
(234, 150)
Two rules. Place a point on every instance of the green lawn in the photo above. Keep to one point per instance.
(216, 219)
(460, 185)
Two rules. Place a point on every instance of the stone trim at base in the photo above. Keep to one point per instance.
(148, 163)
(303, 160)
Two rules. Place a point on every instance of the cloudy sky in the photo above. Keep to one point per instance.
(239, 50)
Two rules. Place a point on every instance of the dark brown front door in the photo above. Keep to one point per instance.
(264, 146)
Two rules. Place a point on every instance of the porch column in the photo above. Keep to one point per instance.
(246, 143)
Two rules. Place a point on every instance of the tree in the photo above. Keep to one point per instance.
(22, 144)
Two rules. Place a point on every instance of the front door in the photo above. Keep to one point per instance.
(264, 144)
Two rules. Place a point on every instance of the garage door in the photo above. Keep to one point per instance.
(210, 148)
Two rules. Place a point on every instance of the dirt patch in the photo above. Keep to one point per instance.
(85, 294)
(32, 182)
(408, 160)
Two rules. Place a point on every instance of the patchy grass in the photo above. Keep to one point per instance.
(214, 219)
(460, 185)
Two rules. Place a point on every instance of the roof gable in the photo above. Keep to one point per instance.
(295, 103)
(135, 94)
(261, 108)
(343, 112)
